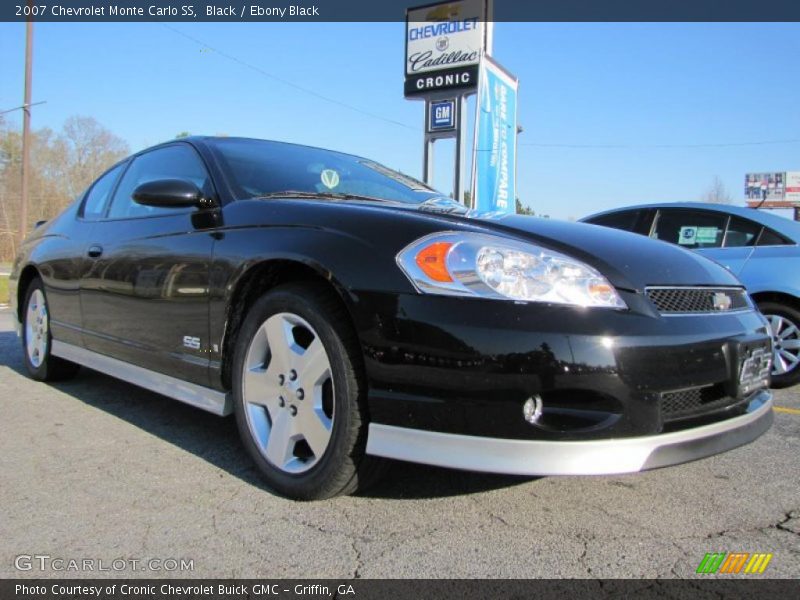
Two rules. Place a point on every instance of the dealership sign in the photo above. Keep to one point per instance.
(444, 44)
(777, 189)
(494, 155)
(442, 115)
(793, 186)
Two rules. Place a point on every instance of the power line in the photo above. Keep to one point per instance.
(649, 146)
(291, 84)
(3, 112)
(372, 115)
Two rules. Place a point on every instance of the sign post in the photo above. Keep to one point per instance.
(444, 45)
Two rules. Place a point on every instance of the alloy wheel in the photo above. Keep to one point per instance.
(36, 328)
(287, 390)
(786, 344)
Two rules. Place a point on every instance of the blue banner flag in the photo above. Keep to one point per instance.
(494, 157)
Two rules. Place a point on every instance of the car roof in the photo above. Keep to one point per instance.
(786, 227)
(217, 138)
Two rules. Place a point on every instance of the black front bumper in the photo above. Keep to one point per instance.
(466, 366)
(593, 457)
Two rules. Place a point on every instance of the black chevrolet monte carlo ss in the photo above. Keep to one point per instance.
(346, 312)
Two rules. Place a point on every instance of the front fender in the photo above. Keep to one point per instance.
(244, 257)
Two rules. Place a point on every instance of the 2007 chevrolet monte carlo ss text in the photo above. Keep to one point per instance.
(347, 312)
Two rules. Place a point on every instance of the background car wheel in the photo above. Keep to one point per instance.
(299, 394)
(784, 321)
(37, 341)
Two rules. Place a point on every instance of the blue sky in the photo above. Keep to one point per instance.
(595, 84)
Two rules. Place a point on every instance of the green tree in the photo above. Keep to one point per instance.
(524, 209)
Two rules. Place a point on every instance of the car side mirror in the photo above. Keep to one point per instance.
(168, 193)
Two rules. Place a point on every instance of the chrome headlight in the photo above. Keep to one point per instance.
(486, 266)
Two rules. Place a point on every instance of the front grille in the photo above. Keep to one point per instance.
(688, 403)
(697, 300)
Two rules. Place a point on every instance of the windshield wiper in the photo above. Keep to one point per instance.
(290, 194)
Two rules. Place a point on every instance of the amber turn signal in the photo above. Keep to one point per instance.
(432, 260)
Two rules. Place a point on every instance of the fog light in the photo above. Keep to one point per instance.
(532, 409)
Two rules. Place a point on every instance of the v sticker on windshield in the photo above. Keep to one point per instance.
(329, 178)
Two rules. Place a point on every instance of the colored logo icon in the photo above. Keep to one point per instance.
(734, 563)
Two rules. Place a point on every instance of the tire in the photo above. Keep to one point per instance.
(300, 394)
(37, 339)
(785, 323)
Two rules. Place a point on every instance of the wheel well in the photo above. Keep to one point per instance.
(778, 297)
(251, 286)
(28, 274)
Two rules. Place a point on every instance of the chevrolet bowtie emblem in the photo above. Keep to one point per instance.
(722, 301)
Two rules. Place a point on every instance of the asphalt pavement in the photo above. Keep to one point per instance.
(95, 469)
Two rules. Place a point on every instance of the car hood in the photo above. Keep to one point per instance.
(629, 261)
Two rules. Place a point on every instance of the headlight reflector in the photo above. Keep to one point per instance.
(474, 264)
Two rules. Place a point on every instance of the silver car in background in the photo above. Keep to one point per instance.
(760, 248)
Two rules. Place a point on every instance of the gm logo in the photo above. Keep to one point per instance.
(442, 115)
(734, 563)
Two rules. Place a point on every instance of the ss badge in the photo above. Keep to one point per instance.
(193, 343)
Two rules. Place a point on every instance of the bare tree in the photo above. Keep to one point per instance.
(10, 156)
(88, 149)
(717, 193)
(62, 166)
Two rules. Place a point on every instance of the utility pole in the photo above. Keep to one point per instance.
(26, 130)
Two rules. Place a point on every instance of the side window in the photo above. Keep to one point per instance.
(690, 228)
(741, 232)
(625, 220)
(770, 238)
(173, 162)
(95, 202)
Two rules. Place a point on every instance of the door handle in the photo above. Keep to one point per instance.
(95, 251)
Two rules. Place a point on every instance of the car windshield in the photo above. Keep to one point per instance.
(262, 169)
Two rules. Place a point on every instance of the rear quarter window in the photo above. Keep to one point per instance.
(772, 238)
(97, 197)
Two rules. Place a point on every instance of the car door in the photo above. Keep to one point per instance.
(64, 257)
(774, 265)
(738, 245)
(703, 231)
(144, 293)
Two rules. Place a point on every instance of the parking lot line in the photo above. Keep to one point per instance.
(783, 409)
